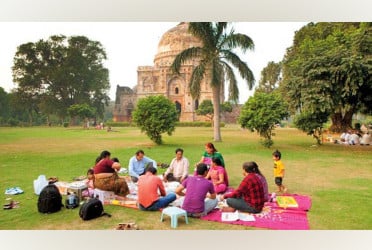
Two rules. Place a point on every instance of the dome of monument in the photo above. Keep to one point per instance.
(173, 42)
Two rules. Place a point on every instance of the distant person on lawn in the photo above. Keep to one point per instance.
(366, 139)
(106, 177)
(149, 184)
(249, 196)
(138, 163)
(200, 196)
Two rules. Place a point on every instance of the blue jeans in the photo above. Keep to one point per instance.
(241, 205)
(160, 203)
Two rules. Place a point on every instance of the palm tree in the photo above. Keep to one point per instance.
(215, 60)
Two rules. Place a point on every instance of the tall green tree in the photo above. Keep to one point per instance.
(270, 77)
(83, 111)
(329, 68)
(216, 60)
(60, 72)
(312, 123)
(155, 115)
(206, 108)
(4, 106)
(26, 102)
(261, 113)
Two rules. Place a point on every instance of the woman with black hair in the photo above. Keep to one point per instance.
(249, 196)
(106, 177)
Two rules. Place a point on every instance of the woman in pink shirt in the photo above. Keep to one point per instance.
(217, 174)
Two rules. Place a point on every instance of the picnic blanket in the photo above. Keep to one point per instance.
(273, 216)
(123, 203)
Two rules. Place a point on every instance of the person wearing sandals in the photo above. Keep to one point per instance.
(200, 196)
(106, 177)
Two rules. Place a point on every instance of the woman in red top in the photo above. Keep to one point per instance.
(249, 196)
(106, 177)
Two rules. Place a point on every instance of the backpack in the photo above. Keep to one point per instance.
(92, 209)
(50, 200)
(72, 200)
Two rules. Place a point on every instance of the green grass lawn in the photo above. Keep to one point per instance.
(338, 178)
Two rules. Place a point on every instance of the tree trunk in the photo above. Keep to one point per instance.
(216, 116)
(30, 119)
(341, 123)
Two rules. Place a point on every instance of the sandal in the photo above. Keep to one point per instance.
(11, 205)
(127, 226)
(52, 179)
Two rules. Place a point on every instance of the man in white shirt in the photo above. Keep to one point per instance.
(179, 166)
(366, 139)
(354, 138)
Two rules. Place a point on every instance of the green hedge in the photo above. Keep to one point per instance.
(197, 124)
(120, 124)
(178, 124)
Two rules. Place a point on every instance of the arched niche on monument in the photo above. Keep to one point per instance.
(176, 86)
(178, 107)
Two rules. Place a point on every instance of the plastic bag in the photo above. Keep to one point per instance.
(40, 183)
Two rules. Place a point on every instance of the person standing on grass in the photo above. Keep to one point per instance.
(249, 196)
(279, 171)
(200, 196)
(149, 184)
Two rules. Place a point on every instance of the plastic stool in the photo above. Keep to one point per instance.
(174, 213)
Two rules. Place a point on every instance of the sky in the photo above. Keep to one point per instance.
(132, 44)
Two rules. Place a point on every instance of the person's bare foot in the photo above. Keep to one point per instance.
(228, 209)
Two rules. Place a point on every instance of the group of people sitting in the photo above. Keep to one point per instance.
(197, 192)
(354, 137)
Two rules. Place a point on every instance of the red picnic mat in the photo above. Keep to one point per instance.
(273, 216)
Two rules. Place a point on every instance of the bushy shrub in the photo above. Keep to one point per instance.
(155, 115)
(13, 122)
